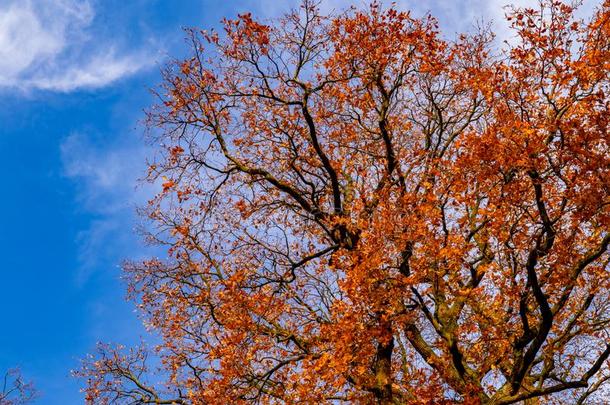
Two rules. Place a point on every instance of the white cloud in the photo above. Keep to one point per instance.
(98, 72)
(106, 175)
(106, 172)
(45, 44)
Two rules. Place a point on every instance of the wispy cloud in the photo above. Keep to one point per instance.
(99, 71)
(108, 171)
(106, 175)
(47, 44)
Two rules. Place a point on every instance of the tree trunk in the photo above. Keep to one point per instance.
(383, 372)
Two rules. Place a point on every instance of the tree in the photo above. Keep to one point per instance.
(15, 390)
(358, 210)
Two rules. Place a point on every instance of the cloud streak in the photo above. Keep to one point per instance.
(47, 45)
(108, 189)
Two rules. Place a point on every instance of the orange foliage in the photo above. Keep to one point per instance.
(358, 210)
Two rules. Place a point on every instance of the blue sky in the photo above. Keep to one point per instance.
(74, 79)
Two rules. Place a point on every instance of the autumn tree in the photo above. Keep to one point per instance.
(15, 390)
(357, 209)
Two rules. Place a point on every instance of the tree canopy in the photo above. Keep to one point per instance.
(358, 209)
